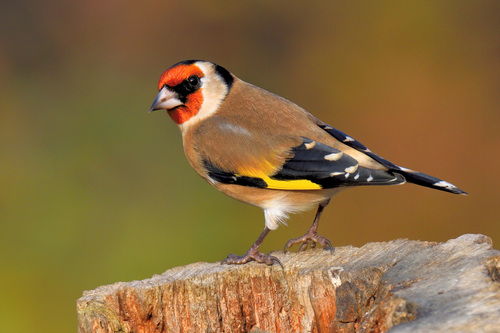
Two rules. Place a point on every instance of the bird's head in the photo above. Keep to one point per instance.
(192, 89)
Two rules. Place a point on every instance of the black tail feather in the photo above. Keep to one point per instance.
(422, 179)
(411, 176)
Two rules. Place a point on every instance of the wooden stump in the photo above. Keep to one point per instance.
(402, 285)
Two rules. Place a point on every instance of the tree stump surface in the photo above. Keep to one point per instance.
(396, 286)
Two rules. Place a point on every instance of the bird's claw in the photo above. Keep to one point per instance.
(309, 239)
(262, 258)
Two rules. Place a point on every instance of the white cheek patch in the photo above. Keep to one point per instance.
(214, 90)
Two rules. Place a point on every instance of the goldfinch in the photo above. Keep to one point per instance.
(264, 150)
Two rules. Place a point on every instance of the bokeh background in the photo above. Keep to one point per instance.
(94, 190)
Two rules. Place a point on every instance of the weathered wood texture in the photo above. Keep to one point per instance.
(401, 286)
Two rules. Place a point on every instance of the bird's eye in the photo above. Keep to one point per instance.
(193, 80)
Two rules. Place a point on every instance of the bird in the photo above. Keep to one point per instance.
(266, 151)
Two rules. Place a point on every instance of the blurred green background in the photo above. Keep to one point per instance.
(95, 190)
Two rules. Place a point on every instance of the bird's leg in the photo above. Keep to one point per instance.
(253, 254)
(311, 237)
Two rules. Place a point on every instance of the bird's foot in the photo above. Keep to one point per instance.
(262, 258)
(311, 238)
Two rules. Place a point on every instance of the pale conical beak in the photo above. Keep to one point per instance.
(167, 99)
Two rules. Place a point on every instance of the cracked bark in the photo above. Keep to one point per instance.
(401, 286)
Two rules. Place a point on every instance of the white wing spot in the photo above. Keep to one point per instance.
(334, 156)
(310, 145)
(333, 174)
(406, 169)
(369, 179)
(347, 175)
(357, 176)
(445, 184)
(348, 138)
(351, 169)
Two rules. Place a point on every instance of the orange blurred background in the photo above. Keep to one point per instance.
(95, 190)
